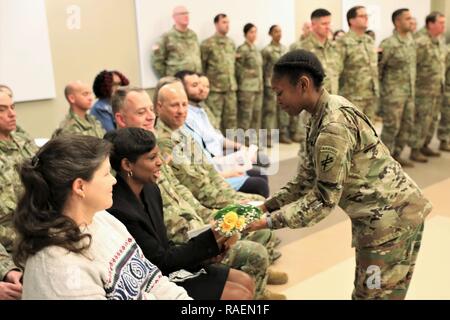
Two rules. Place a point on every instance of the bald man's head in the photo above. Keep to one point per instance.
(172, 105)
(180, 16)
(79, 95)
(6, 89)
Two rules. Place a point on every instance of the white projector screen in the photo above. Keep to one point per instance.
(25, 57)
(153, 19)
(380, 12)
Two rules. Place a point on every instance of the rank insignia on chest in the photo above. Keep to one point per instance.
(327, 158)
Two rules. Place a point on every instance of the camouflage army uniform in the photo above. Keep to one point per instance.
(397, 70)
(6, 263)
(272, 117)
(218, 60)
(249, 77)
(193, 170)
(358, 80)
(182, 213)
(347, 165)
(431, 55)
(12, 152)
(73, 124)
(444, 124)
(176, 51)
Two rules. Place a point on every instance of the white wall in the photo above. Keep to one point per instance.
(25, 57)
(153, 21)
(380, 12)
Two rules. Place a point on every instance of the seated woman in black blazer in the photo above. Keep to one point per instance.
(138, 205)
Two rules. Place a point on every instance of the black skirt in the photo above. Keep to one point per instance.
(207, 286)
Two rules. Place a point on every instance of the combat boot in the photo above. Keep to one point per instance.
(276, 277)
(429, 153)
(403, 162)
(444, 146)
(417, 156)
(297, 137)
(270, 295)
(285, 139)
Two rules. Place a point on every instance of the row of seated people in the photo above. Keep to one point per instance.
(189, 197)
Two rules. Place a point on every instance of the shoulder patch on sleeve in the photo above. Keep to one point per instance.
(327, 158)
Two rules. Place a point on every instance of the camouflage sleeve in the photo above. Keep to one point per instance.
(7, 237)
(6, 263)
(158, 58)
(332, 154)
(385, 56)
(204, 51)
(447, 75)
(265, 56)
(294, 189)
(176, 225)
(239, 64)
(421, 51)
(186, 194)
(342, 53)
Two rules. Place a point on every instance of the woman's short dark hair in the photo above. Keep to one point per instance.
(297, 63)
(104, 81)
(129, 143)
(272, 27)
(248, 27)
(47, 179)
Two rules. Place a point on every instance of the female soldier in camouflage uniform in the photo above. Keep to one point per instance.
(250, 81)
(272, 118)
(346, 164)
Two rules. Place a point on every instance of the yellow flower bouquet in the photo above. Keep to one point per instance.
(234, 218)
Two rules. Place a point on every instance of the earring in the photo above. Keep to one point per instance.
(130, 174)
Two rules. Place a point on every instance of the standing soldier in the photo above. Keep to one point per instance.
(271, 116)
(444, 124)
(318, 43)
(218, 59)
(431, 52)
(325, 49)
(177, 49)
(250, 81)
(358, 80)
(397, 70)
(348, 166)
